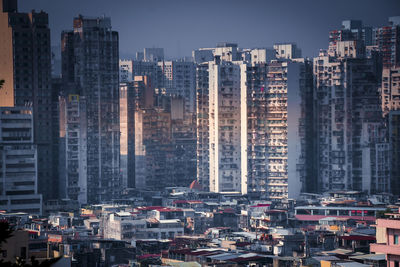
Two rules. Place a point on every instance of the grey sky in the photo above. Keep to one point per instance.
(179, 26)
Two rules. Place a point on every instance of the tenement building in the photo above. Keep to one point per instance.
(90, 73)
(352, 147)
(25, 65)
(135, 95)
(251, 126)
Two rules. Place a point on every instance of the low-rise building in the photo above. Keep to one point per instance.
(127, 226)
(16, 246)
(388, 239)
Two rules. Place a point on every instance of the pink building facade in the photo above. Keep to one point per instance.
(388, 240)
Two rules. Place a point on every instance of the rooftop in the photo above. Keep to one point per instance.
(338, 208)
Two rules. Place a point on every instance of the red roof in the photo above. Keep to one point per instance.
(358, 237)
(146, 256)
(227, 210)
(308, 227)
(182, 251)
(242, 244)
(168, 210)
(196, 185)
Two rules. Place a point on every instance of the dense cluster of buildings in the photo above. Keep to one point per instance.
(181, 225)
(233, 156)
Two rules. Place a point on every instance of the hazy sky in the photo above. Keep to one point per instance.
(179, 26)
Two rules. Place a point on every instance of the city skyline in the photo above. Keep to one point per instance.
(257, 117)
(199, 133)
(182, 26)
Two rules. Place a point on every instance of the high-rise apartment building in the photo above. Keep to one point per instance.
(165, 145)
(351, 141)
(90, 72)
(183, 134)
(287, 51)
(202, 55)
(146, 63)
(246, 143)
(384, 39)
(127, 145)
(56, 92)
(75, 140)
(289, 124)
(153, 148)
(202, 129)
(133, 96)
(128, 69)
(153, 54)
(227, 51)
(179, 79)
(226, 82)
(256, 143)
(390, 97)
(258, 55)
(388, 42)
(18, 162)
(390, 89)
(352, 30)
(62, 170)
(394, 144)
(25, 65)
(231, 52)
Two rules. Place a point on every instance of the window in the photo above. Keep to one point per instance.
(396, 264)
(396, 239)
(23, 252)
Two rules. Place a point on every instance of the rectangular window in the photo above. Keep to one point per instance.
(23, 252)
(396, 239)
